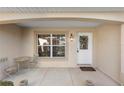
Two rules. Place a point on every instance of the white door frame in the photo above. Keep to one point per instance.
(91, 48)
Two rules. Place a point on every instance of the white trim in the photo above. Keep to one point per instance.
(51, 47)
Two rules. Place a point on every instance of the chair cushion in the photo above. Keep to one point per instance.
(11, 69)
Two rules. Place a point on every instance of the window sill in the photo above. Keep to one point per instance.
(51, 58)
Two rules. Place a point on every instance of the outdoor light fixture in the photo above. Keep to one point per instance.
(71, 37)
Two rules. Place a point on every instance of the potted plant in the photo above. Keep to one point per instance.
(6, 83)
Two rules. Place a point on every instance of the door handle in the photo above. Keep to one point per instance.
(77, 51)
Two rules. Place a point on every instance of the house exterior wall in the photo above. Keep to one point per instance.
(71, 50)
(10, 38)
(122, 54)
(27, 42)
(108, 50)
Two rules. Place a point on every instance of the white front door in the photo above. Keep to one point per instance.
(84, 48)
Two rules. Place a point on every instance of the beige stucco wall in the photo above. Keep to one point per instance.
(10, 38)
(122, 54)
(70, 60)
(109, 50)
(27, 42)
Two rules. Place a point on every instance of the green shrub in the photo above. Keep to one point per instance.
(6, 83)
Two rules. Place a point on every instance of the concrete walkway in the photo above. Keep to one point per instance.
(61, 77)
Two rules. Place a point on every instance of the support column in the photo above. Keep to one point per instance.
(122, 54)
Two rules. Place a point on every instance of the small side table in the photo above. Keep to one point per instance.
(21, 60)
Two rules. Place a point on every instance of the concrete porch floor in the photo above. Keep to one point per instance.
(61, 77)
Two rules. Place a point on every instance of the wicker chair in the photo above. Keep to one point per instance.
(9, 69)
(33, 62)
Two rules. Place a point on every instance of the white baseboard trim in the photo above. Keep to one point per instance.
(116, 81)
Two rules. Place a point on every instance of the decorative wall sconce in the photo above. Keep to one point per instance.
(71, 37)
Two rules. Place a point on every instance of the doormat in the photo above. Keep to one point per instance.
(87, 69)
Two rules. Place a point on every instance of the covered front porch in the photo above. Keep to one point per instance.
(58, 56)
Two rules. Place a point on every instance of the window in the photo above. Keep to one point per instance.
(83, 42)
(51, 45)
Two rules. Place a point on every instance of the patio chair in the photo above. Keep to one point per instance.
(33, 62)
(9, 69)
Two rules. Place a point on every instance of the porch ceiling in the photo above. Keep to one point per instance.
(19, 14)
(60, 23)
(22, 10)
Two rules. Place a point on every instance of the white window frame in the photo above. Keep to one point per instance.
(51, 45)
